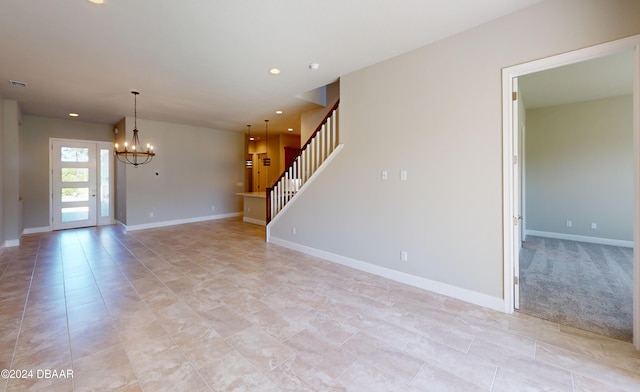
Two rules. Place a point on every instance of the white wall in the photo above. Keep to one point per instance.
(12, 219)
(579, 163)
(198, 168)
(436, 112)
(2, 181)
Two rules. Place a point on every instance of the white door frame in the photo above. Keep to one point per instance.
(100, 145)
(509, 205)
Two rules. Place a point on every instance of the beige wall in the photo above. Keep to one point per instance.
(198, 168)
(12, 220)
(120, 177)
(2, 236)
(579, 167)
(277, 143)
(269, 174)
(286, 140)
(310, 120)
(35, 160)
(436, 113)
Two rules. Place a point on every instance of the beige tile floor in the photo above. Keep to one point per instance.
(212, 307)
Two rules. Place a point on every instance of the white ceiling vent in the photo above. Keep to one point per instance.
(16, 83)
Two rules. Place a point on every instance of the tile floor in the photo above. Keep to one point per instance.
(212, 307)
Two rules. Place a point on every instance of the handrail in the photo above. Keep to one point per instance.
(312, 154)
(313, 135)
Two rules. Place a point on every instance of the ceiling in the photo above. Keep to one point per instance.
(599, 78)
(206, 62)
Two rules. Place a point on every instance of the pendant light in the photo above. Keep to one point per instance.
(134, 154)
(266, 161)
(249, 162)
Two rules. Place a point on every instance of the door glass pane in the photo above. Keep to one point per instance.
(104, 182)
(75, 214)
(74, 154)
(75, 174)
(74, 194)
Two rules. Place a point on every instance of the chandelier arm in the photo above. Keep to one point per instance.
(135, 155)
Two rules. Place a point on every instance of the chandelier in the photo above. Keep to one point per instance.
(134, 154)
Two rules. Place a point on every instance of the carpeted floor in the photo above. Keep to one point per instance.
(588, 286)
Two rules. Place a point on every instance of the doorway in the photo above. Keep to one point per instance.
(512, 163)
(81, 183)
(260, 173)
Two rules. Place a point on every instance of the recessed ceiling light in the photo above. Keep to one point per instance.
(274, 71)
(314, 66)
(290, 129)
(278, 111)
(97, 1)
(74, 115)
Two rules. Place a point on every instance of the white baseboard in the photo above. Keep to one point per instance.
(154, 225)
(11, 243)
(34, 230)
(580, 238)
(402, 277)
(254, 221)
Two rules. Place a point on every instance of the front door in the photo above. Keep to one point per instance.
(80, 183)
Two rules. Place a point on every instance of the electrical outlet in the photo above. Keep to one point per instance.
(594, 226)
(294, 231)
(569, 223)
(403, 175)
(151, 215)
(384, 175)
(404, 256)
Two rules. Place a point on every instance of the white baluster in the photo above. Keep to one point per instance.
(296, 173)
(333, 130)
(336, 120)
(287, 189)
(329, 132)
(317, 160)
(273, 204)
(307, 163)
(323, 143)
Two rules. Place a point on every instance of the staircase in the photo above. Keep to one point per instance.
(315, 151)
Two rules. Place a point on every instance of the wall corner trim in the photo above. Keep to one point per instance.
(254, 221)
(11, 243)
(473, 297)
(34, 230)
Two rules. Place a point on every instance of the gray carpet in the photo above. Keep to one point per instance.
(587, 286)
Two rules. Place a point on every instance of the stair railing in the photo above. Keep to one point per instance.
(319, 146)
